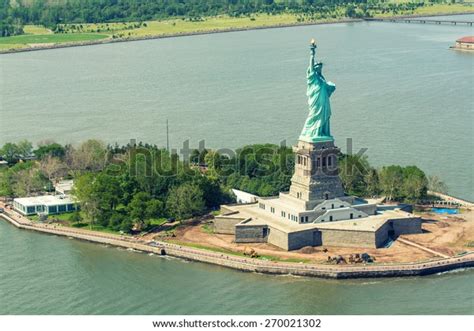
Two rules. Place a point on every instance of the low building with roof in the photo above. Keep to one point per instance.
(44, 204)
(465, 43)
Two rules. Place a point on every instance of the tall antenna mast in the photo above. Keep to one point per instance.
(167, 137)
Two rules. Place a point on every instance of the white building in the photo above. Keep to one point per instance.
(47, 204)
(64, 186)
(244, 197)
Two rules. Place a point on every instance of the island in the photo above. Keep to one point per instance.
(301, 212)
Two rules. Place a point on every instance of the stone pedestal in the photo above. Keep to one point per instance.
(316, 173)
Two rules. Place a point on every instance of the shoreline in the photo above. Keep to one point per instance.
(109, 40)
(170, 35)
(249, 264)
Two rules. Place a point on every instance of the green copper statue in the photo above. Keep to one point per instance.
(316, 127)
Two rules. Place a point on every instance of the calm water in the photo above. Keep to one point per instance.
(400, 92)
(42, 274)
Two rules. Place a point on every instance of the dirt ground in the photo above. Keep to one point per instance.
(445, 234)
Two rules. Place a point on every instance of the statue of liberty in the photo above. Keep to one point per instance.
(316, 127)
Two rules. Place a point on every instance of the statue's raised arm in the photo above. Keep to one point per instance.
(317, 127)
(313, 54)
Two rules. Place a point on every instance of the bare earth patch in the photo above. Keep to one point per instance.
(446, 234)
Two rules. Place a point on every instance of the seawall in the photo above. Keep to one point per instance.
(253, 265)
(462, 202)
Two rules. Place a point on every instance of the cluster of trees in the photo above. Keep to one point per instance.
(262, 169)
(265, 170)
(35, 170)
(98, 27)
(140, 184)
(53, 13)
(129, 187)
(395, 182)
(10, 24)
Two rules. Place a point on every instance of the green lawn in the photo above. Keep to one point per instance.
(157, 221)
(93, 227)
(51, 38)
(207, 228)
(36, 29)
(66, 221)
(443, 9)
(435, 9)
(62, 217)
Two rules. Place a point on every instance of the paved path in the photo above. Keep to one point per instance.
(445, 197)
(423, 248)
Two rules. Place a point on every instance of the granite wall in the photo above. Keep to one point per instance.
(251, 233)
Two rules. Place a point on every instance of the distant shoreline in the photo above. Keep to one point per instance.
(197, 33)
(171, 35)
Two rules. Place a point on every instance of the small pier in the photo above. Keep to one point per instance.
(420, 21)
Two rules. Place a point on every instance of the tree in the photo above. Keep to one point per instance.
(415, 183)
(24, 148)
(6, 189)
(371, 180)
(185, 201)
(213, 160)
(27, 181)
(90, 156)
(138, 207)
(10, 25)
(351, 11)
(352, 171)
(198, 156)
(435, 184)
(52, 149)
(10, 152)
(76, 217)
(126, 225)
(52, 167)
(391, 179)
(86, 195)
(154, 208)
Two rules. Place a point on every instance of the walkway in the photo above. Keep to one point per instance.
(420, 21)
(448, 198)
(423, 248)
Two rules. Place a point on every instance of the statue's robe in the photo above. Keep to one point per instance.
(316, 127)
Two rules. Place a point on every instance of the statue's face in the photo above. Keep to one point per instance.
(318, 67)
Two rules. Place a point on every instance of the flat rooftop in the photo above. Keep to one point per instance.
(45, 200)
(367, 224)
(64, 185)
(259, 216)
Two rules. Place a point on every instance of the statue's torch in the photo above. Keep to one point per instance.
(313, 46)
